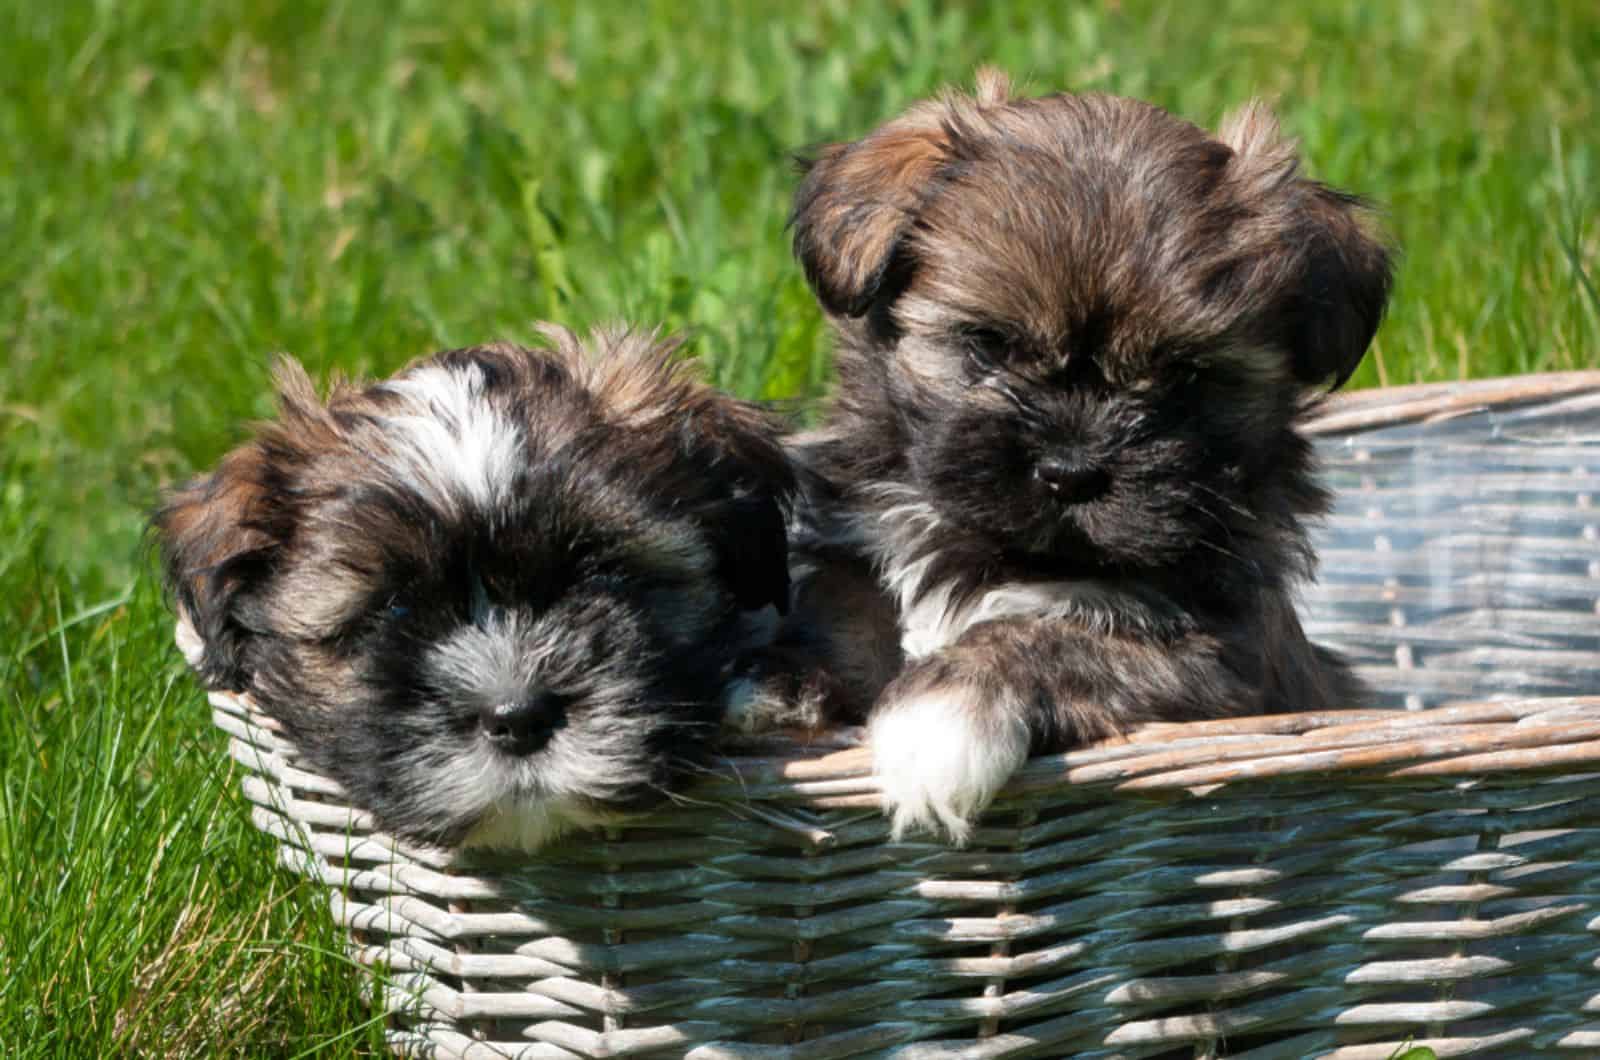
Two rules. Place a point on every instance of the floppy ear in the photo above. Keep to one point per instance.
(756, 482)
(1343, 288)
(725, 462)
(1337, 283)
(215, 549)
(220, 535)
(857, 201)
(853, 209)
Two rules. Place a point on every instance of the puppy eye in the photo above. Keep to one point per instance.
(398, 609)
(986, 348)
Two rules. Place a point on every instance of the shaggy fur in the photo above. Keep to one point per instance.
(1075, 335)
(504, 592)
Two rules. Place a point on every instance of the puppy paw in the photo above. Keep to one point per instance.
(756, 704)
(940, 755)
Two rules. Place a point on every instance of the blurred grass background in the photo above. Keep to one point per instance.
(186, 188)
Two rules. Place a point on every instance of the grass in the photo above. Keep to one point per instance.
(186, 188)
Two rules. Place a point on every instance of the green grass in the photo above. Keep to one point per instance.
(187, 188)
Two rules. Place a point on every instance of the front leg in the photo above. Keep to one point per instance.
(832, 654)
(946, 735)
(952, 728)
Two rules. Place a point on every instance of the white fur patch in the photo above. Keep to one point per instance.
(455, 442)
(902, 530)
(937, 765)
(931, 618)
(524, 825)
(497, 656)
(189, 642)
(524, 802)
(446, 787)
(933, 622)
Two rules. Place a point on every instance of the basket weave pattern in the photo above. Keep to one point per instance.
(1304, 885)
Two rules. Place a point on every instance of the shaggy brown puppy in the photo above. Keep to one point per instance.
(1075, 334)
(504, 592)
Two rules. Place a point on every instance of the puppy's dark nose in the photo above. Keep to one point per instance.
(522, 726)
(1072, 481)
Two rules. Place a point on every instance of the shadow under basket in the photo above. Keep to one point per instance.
(1325, 885)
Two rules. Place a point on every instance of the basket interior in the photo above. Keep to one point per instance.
(1461, 559)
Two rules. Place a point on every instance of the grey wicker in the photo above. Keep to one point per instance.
(1304, 885)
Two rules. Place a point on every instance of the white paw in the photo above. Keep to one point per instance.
(941, 756)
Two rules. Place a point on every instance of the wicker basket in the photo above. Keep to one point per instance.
(1305, 885)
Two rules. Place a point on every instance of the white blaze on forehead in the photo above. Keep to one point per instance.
(454, 442)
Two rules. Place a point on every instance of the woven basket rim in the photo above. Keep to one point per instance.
(1362, 410)
(1452, 742)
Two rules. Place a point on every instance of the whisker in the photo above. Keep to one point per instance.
(1232, 504)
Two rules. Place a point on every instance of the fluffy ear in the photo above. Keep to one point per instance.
(219, 536)
(215, 548)
(725, 462)
(739, 440)
(857, 201)
(1337, 284)
(852, 210)
(1344, 288)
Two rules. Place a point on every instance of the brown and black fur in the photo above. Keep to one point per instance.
(505, 592)
(1075, 337)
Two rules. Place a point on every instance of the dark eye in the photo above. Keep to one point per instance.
(398, 609)
(986, 348)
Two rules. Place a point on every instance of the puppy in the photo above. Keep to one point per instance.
(1074, 336)
(506, 592)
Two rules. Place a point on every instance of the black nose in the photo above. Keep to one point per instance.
(1072, 481)
(522, 726)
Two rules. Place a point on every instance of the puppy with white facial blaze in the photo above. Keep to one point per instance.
(505, 593)
(1075, 336)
